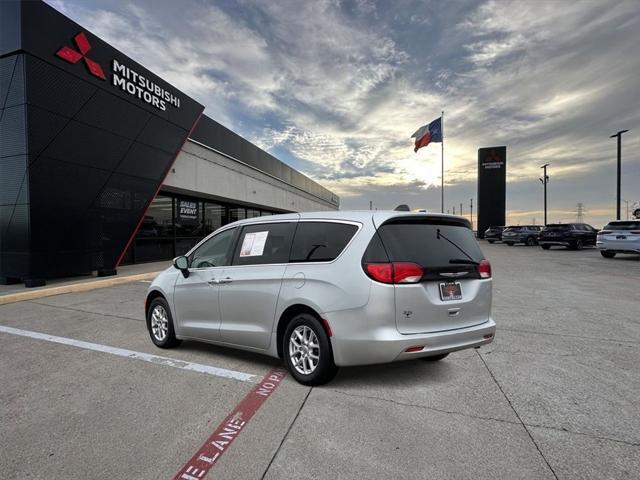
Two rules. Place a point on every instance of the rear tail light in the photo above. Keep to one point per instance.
(484, 269)
(395, 272)
(417, 348)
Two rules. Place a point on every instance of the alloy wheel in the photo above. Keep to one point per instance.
(159, 323)
(304, 350)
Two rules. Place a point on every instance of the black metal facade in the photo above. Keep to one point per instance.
(80, 158)
(492, 177)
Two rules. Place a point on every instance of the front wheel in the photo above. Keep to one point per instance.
(491, 241)
(160, 324)
(307, 351)
(509, 243)
(607, 253)
(531, 242)
(578, 245)
(545, 247)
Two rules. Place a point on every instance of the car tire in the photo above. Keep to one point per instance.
(578, 245)
(509, 243)
(530, 242)
(435, 358)
(302, 332)
(607, 253)
(160, 324)
(545, 246)
(491, 241)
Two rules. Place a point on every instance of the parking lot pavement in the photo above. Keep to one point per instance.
(555, 396)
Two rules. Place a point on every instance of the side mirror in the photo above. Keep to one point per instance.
(182, 264)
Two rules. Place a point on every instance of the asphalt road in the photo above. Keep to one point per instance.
(555, 396)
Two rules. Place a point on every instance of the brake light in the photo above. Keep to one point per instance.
(394, 272)
(484, 269)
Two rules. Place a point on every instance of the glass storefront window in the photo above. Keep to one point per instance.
(237, 214)
(215, 216)
(174, 224)
(188, 218)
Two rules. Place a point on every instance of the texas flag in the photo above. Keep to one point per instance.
(428, 133)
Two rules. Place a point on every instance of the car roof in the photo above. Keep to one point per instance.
(361, 216)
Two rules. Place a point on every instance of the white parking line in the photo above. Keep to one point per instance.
(121, 352)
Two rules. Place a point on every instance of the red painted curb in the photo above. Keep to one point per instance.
(224, 435)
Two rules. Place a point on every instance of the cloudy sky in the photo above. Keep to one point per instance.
(336, 88)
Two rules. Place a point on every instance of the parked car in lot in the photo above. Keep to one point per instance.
(527, 234)
(619, 237)
(572, 235)
(493, 234)
(330, 289)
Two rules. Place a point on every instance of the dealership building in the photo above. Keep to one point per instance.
(103, 163)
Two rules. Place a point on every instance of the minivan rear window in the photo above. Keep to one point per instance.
(623, 226)
(320, 241)
(416, 241)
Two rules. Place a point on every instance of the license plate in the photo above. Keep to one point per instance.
(450, 291)
(621, 237)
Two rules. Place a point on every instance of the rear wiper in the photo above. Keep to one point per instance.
(463, 261)
(441, 235)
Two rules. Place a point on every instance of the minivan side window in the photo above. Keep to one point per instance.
(215, 252)
(260, 244)
(320, 241)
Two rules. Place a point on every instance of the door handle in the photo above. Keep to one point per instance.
(225, 280)
(218, 281)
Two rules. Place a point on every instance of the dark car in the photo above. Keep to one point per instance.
(493, 234)
(527, 234)
(571, 235)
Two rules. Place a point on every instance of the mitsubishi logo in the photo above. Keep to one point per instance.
(493, 156)
(73, 56)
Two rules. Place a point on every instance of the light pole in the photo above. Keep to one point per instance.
(619, 136)
(627, 202)
(545, 180)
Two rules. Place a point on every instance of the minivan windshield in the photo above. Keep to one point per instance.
(416, 241)
(630, 225)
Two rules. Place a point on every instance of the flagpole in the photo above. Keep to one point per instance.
(442, 159)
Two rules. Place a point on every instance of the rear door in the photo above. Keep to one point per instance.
(433, 243)
(251, 284)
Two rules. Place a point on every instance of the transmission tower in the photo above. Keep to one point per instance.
(580, 211)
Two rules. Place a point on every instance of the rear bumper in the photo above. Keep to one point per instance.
(618, 246)
(386, 345)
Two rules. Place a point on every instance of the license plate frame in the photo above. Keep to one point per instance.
(621, 237)
(450, 291)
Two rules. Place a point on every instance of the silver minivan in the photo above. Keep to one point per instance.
(329, 289)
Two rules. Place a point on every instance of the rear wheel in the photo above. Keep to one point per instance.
(436, 358)
(509, 243)
(307, 351)
(160, 324)
(531, 242)
(491, 241)
(607, 253)
(545, 246)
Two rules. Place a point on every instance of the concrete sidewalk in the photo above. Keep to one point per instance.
(126, 274)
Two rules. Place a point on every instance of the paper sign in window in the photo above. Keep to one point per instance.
(253, 244)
